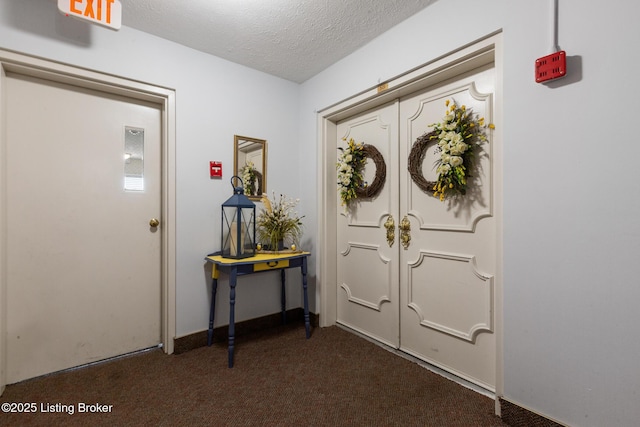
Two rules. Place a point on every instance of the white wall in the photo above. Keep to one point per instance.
(572, 227)
(215, 99)
(571, 190)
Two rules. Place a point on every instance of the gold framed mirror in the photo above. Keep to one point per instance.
(250, 164)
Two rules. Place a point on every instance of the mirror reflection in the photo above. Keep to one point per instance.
(250, 164)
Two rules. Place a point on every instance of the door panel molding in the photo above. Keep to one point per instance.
(469, 227)
(466, 323)
(164, 98)
(383, 295)
(354, 222)
(469, 211)
(355, 217)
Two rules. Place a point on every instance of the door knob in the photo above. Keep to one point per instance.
(390, 225)
(405, 232)
(154, 222)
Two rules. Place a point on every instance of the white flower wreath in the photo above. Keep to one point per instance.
(458, 134)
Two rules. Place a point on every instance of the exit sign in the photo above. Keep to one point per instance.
(107, 13)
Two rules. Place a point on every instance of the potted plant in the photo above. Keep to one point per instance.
(278, 224)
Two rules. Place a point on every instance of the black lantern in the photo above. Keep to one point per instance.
(238, 224)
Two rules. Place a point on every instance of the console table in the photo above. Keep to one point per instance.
(256, 264)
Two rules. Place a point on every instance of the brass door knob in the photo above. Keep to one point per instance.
(153, 222)
(405, 232)
(390, 225)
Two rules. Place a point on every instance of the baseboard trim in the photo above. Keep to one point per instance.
(517, 416)
(199, 339)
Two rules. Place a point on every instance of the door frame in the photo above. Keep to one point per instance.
(485, 51)
(165, 99)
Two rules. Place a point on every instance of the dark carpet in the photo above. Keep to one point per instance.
(335, 378)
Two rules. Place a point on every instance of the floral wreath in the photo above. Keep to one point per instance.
(249, 177)
(350, 166)
(459, 133)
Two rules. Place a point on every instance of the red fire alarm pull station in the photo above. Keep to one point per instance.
(551, 67)
(215, 169)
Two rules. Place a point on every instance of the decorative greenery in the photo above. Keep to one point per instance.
(459, 133)
(249, 175)
(350, 165)
(278, 222)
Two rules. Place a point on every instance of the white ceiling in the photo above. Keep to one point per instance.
(292, 39)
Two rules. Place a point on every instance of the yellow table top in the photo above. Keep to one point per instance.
(217, 259)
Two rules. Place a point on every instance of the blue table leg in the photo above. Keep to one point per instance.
(283, 297)
(212, 310)
(307, 324)
(232, 304)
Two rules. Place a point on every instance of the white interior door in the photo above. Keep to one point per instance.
(367, 268)
(83, 263)
(447, 273)
(434, 299)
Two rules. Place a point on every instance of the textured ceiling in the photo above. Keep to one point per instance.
(292, 39)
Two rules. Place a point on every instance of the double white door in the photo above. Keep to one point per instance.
(435, 298)
(83, 278)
